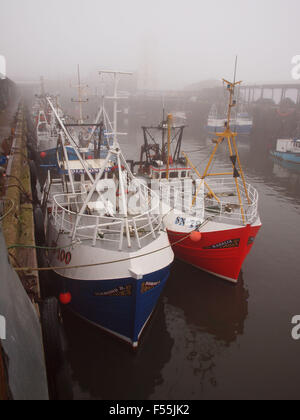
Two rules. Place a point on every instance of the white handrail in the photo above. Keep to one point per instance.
(223, 210)
(97, 228)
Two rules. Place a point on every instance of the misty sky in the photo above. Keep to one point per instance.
(175, 42)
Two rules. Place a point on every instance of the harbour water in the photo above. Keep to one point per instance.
(209, 339)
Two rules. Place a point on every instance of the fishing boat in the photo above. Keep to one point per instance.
(111, 256)
(92, 139)
(215, 122)
(45, 125)
(47, 131)
(243, 123)
(228, 220)
(211, 219)
(287, 150)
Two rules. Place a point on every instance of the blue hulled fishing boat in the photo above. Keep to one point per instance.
(111, 257)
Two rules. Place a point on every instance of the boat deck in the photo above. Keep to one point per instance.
(102, 226)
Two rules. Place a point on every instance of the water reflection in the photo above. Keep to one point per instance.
(280, 175)
(104, 368)
(204, 316)
(198, 317)
(258, 164)
(198, 326)
(213, 306)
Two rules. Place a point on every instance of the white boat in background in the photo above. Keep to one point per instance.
(179, 117)
(215, 122)
(46, 129)
(241, 122)
(112, 256)
(92, 139)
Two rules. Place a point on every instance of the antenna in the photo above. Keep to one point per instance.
(42, 86)
(231, 87)
(235, 69)
(116, 76)
(80, 88)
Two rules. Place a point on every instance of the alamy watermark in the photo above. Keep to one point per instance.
(2, 328)
(182, 197)
(296, 67)
(296, 329)
(2, 67)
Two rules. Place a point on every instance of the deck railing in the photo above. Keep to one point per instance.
(226, 209)
(229, 207)
(105, 229)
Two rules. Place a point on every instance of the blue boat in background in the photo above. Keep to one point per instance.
(287, 150)
(243, 123)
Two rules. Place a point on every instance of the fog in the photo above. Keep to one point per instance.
(170, 43)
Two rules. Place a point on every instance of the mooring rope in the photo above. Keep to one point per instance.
(2, 217)
(68, 267)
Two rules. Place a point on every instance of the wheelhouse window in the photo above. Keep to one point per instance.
(174, 174)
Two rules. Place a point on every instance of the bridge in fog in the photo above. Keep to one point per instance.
(274, 91)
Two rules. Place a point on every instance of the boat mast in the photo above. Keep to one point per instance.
(42, 86)
(105, 118)
(80, 101)
(169, 119)
(66, 158)
(115, 150)
(116, 75)
(232, 101)
(70, 139)
(232, 146)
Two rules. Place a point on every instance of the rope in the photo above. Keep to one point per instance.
(30, 269)
(47, 248)
(10, 210)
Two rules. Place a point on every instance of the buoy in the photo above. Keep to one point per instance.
(195, 236)
(65, 298)
(43, 155)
